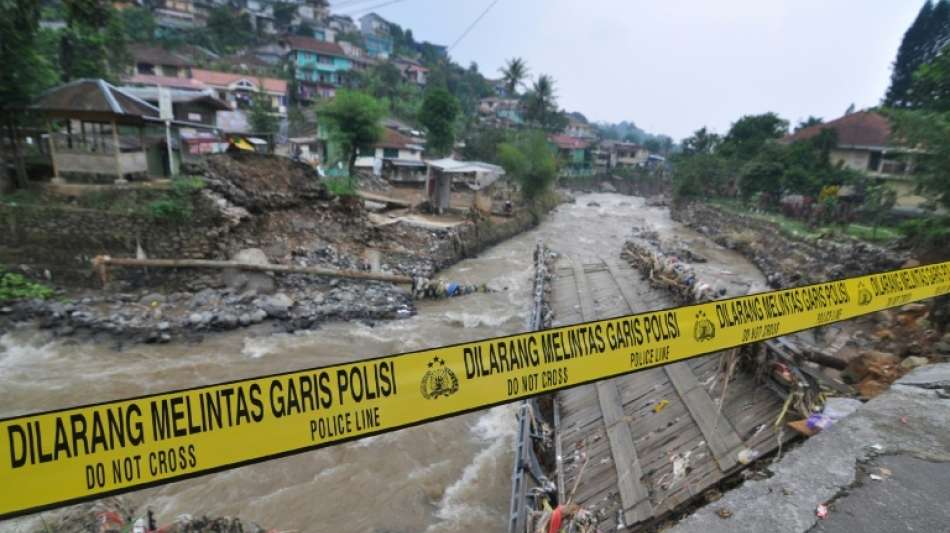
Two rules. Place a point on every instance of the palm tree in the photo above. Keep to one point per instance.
(514, 74)
(541, 101)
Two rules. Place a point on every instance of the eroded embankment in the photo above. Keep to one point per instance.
(252, 208)
(785, 259)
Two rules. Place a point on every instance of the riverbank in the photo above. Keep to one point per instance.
(265, 224)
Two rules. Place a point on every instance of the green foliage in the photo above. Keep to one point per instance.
(921, 42)
(261, 117)
(482, 144)
(342, 187)
(139, 24)
(531, 162)
(176, 205)
(702, 175)
(750, 133)
(227, 31)
(25, 72)
(93, 44)
(809, 122)
(514, 73)
(541, 108)
(354, 121)
(931, 85)
(16, 287)
(930, 132)
(437, 116)
(701, 142)
(931, 232)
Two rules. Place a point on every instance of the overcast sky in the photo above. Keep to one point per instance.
(673, 66)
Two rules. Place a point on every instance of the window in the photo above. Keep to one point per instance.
(324, 60)
(390, 153)
(145, 68)
(874, 162)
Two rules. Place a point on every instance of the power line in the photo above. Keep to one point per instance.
(472, 26)
(362, 10)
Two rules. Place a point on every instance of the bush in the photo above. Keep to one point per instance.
(932, 232)
(16, 287)
(341, 186)
(176, 205)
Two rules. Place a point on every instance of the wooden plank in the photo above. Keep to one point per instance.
(633, 495)
(717, 430)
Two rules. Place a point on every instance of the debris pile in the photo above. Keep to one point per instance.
(117, 515)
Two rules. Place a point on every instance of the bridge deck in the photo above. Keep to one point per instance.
(644, 462)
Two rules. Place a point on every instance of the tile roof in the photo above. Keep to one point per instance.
(156, 55)
(297, 42)
(567, 142)
(393, 139)
(166, 81)
(216, 78)
(863, 128)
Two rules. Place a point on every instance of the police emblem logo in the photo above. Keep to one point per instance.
(864, 295)
(704, 330)
(439, 380)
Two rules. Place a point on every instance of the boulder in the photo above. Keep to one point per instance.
(246, 281)
(913, 362)
(277, 305)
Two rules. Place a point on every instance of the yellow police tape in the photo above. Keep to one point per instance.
(69, 455)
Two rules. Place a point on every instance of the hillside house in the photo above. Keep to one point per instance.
(150, 60)
(319, 67)
(377, 36)
(199, 108)
(580, 130)
(238, 90)
(629, 155)
(342, 24)
(864, 144)
(574, 154)
(177, 15)
(500, 112)
(412, 71)
(396, 157)
(358, 57)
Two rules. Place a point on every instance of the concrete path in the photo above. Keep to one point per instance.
(903, 430)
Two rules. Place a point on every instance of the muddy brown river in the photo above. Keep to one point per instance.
(448, 476)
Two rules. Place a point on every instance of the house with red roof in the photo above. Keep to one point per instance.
(574, 154)
(395, 157)
(865, 143)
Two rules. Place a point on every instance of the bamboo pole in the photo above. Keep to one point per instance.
(102, 262)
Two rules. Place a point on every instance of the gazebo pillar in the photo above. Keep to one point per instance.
(120, 179)
(57, 179)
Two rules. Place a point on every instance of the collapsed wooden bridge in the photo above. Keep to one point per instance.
(640, 446)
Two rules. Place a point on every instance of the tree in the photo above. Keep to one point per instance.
(228, 30)
(261, 117)
(482, 144)
(531, 162)
(93, 43)
(750, 133)
(929, 32)
(354, 120)
(541, 105)
(437, 116)
(808, 122)
(652, 145)
(702, 142)
(513, 74)
(931, 85)
(25, 73)
(929, 131)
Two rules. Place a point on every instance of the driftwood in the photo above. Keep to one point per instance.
(103, 262)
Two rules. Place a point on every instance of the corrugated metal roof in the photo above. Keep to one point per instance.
(96, 96)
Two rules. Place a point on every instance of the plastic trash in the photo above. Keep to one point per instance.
(822, 511)
(660, 405)
(748, 455)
